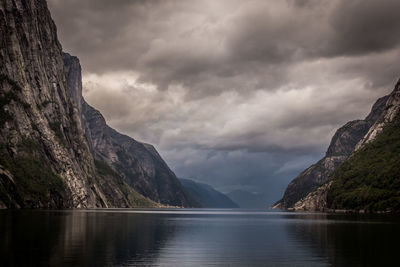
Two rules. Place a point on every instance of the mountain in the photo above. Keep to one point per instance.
(248, 200)
(206, 195)
(342, 145)
(51, 153)
(138, 163)
(45, 159)
(368, 178)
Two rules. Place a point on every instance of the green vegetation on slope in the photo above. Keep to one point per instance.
(370, 179)
(109, 181)
(35, 182)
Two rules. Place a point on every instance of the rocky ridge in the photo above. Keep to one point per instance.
(38, 120)
(391, 109)
(383, 113)
(138, 163)
(49, 156)
(342, 145)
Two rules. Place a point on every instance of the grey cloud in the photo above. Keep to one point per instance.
(365, 26)
(380, 70)
(231, 45)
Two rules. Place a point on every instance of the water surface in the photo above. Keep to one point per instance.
(193, 237)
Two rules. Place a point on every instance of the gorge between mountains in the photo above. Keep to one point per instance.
(57, 151)
(231, 100)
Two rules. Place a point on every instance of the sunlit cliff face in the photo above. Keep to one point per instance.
(238, 94)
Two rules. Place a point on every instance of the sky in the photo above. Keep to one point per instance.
(236, 94)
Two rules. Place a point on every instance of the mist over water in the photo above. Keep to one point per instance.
(189, 237)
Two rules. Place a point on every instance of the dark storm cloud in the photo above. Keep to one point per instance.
(203, 80)
(174, 41)
(365, 26)
(208, 48)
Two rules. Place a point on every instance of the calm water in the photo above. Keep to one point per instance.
(196, 238)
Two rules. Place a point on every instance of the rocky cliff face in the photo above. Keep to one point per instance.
(368, 177)
(314, 201)
(342, 145)
(45, 159)
(138, 163)
(390, 108)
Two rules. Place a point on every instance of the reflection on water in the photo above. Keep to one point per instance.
(195, 237)
(351, 240)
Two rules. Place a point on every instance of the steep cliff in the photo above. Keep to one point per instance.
(45, 159)
(138, 163)
(370, 178)
(342, 145)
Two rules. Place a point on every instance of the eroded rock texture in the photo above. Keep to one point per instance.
(138, 163)
(51, 153)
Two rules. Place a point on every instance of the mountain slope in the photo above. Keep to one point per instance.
(138, 163)
(342, 145)
(207, 196)
(369, 179)
(45, 158)
(38, 121)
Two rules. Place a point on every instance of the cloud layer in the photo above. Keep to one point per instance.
(239, 94)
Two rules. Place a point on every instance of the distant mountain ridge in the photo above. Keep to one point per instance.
(206, 195)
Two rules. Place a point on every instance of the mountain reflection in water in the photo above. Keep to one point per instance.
(187, 237)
